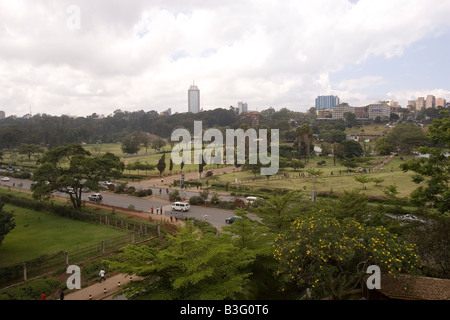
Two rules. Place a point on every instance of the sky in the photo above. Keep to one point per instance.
(79, 57)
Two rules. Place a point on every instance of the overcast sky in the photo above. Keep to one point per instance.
(77, 57)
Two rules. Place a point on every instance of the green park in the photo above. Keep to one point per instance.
(336, 206)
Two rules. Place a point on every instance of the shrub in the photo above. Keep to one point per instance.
(174, 196)
(143, 193)
(196, 200)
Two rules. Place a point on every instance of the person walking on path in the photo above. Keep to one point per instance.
(102, 275)
(151, 210)
(61, 295)
(43, 296)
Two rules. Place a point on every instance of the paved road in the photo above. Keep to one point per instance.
(214, 216)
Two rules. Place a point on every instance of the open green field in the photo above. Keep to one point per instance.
(39, 233)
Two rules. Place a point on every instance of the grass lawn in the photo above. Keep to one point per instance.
(38, 233)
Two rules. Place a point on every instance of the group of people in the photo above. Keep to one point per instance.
(158, 210)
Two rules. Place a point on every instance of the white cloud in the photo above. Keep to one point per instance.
(142, 55)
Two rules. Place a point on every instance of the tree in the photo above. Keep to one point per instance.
(277, 212)
(330, 256)
(406, 137)
(29, 149)
(158, 143)
(304, 134)
(432, 174)
(131, 144)
(191, 267)
(352, 149)
(7, 223)
(70, 168)
(383, 146)
(161, 166)
(363, 179)
(350, 119)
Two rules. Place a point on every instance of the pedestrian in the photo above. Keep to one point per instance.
(160, 191)
(157, 210)
(43, 296)
(171, 218)
(151, 210)
(61, 295)
(161, 210)
(176, 217)
(167, 191)
(102, 275)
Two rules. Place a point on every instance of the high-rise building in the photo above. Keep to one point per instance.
(430, 102)
(193, 99)
(242, 107)
(2, 115)
(326, 102)
(440, 102)
(420, 103)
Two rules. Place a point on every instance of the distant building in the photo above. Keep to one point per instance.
(420, 103)
(339, 110)
(193, 99)
(440, 102)
(167, 112)
(361, 112)
(380, 109)
(430, 102)
(411, 104)
(254, 117)
(324, 113)
(242, 107)
(326, 102)
(2, 115)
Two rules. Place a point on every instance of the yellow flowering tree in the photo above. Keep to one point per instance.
(330, 256)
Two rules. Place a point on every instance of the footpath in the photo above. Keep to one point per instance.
(102, 290)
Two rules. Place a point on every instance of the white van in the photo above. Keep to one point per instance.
(181, 206)
(250, 200)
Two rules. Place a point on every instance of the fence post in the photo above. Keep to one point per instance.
(24, 272)
(132, 237)
(103, 246)
(159, 230)
(67, 258)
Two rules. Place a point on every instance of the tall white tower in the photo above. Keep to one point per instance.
(193, 99)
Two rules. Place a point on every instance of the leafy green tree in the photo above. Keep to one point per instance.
(305, 135)
(70, 168)
(406, 137)
(383, 146)
(131, 144)
(192, 267)
(7, 223)
(161, 165)
(432, 174)
(30, 149)
(363, 179)
(277, 212)
(352, 149)
(158, 143)
(330, 256)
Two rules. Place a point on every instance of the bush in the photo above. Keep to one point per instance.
(143, 193)
(33, 289)
(174, 196)
(196, 200)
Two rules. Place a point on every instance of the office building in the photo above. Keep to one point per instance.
(193, 99)
(339, 110)
(440, 103)
(2, 115)
(430, 102)
(420, 103)
(242, 107)
(380, 109)
(326, 102)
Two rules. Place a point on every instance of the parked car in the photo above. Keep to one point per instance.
(410, 217)
(181, 206)
(96, 197)
(5, 179)
(250, 200)
(230, 220)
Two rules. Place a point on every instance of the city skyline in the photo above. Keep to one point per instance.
(95, 57)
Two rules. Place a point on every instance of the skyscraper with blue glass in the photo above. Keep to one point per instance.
(326, 102)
